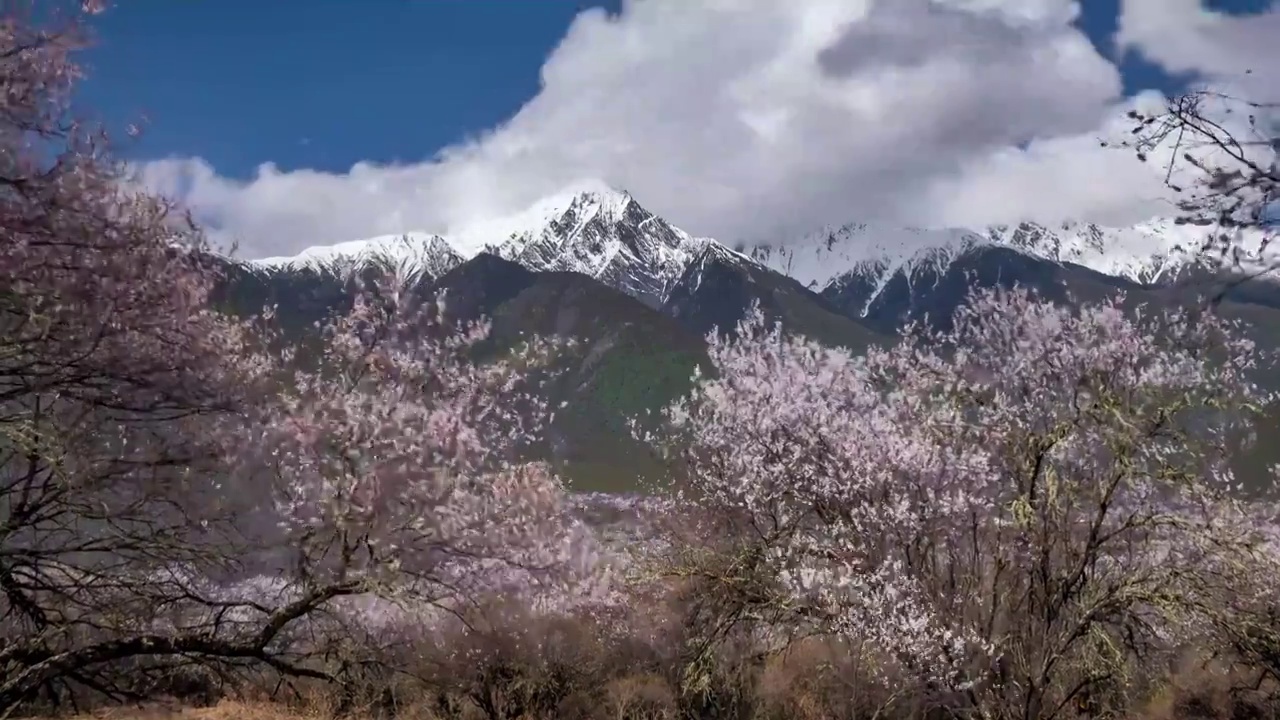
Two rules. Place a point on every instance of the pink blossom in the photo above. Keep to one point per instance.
(923, 497)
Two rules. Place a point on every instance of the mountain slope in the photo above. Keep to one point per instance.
(720, 285)
(628, 358)
(887, 299)
(416, 254)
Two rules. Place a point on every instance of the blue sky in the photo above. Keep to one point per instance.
(318, 83)
(242, 82)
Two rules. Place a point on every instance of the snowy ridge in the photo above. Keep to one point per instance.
(587, 200)
(607, 235)
(599, 231)
(1152, 252)
(410, 253)
(1155, 251)
(712, 252)
(817, 259)
(589, 228)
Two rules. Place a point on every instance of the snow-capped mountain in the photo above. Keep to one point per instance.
(602, 232)
(1153, 252)
(887, 276)
(589, 228)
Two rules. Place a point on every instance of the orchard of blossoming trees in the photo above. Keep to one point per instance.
(1029, 515)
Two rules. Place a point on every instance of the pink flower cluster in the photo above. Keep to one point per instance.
(928, 497)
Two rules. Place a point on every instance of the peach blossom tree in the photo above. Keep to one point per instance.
(176, 488)
(1009, 512)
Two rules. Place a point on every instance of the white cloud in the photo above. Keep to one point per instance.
(1060, 178)
(1234, 56)
(753, 119)
(1186, 36)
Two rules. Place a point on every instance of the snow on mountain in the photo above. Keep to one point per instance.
(710, 254)
(588, 228)
(606, 234)
(594, 229)
(414, 252)
(1156, 251)
(820, 257)
(586, 199)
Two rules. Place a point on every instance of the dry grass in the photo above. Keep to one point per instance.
(812, 682)
(226, 710)
(578, 670)
(789, 690)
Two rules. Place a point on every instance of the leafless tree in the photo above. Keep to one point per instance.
(1221, 155)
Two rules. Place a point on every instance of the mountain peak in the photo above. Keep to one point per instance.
(589, 227)
(583, 199)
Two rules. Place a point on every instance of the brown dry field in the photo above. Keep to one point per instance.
(227, 710)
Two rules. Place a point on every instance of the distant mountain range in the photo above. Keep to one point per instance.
(641, 294)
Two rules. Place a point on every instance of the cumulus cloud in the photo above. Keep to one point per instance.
(753, 120)
(1055, 179)
(1233, 56)
(1186, 36)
